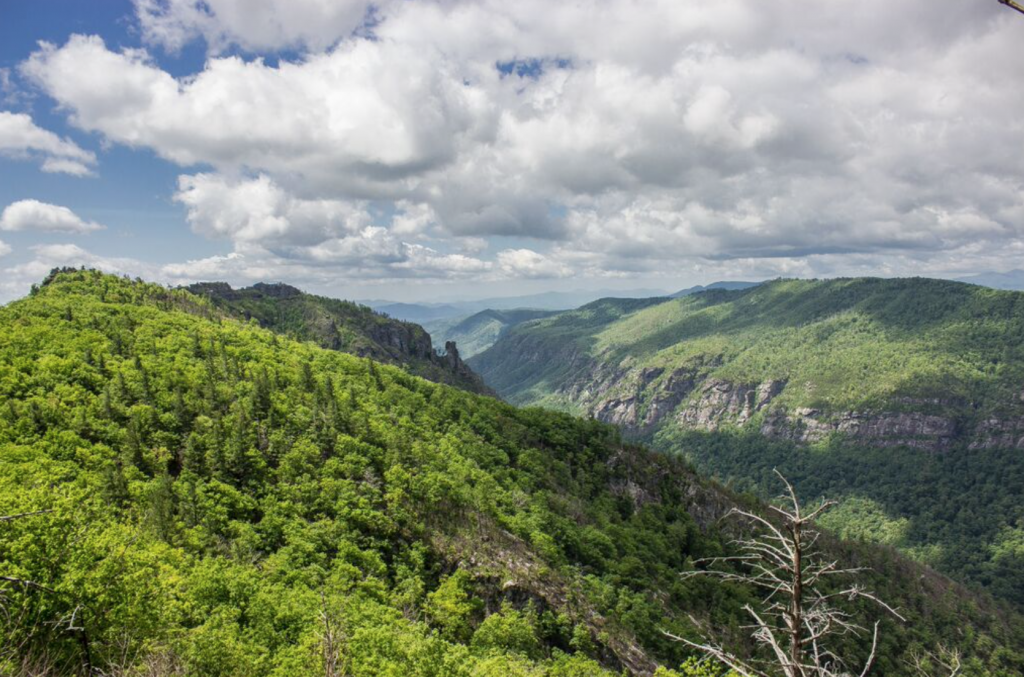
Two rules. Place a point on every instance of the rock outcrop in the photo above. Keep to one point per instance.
(724, 402)
(886, 429)
(642, 400)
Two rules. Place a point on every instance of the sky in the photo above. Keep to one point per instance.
(446, 149)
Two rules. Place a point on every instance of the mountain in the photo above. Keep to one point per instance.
(1012, 280)
(187, 493)
(904, 394)
(730, 286)
(418, 312)
(344, 326)
(428, 312)
(478, 332)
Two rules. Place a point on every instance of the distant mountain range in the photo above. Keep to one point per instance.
(729, 286)
(478, 332)
(552, 300)
(1012, 279)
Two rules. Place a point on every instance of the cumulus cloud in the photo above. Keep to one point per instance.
(531, 264)
(4, 248)
(258, 210)
(269, 227)
(34, 215)
(364, 119)
(20, 138)
(254, 25)
(709, 135)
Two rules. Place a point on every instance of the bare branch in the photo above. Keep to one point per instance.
(721, 656)
(28, 583)
(871, 658)
(8, 518)
(797, 618)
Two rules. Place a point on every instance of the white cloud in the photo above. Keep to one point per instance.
(258, 210)
(781, 136)
(254, 25)
(39, 216)
(271, 228)
(5, 248)
(21, 138)
(365, 119)
(528, 263)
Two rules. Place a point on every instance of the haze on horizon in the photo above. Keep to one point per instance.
(423, 150)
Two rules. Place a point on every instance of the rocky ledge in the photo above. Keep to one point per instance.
(641, 400)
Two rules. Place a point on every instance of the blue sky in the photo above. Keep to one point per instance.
(131, 192)
(422, 150)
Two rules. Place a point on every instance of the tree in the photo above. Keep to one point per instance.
(945, 660)
(799, 614)
(1013, 5)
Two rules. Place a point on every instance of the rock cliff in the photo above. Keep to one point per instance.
(641, 400)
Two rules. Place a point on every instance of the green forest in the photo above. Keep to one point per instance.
(860, 349)
(959, 512)
(856, 343)
(185, 493)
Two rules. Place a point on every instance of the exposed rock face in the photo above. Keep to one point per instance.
(654, 395)
(403, 339)
(721, 401)
(994, 432)
(641, 400)
(455, 364)
(627, 411)
(912, 429)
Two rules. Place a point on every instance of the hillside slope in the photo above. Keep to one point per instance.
(478, 332)
(344, 326)
(203, 496)
(855, 367)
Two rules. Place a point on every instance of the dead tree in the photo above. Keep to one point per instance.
(945, 660)
(332, 641)
(1013, 4)
(800, 612)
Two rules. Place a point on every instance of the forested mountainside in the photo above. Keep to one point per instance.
(905, 394)
(345, 326)
(184, 493)
(478, 332)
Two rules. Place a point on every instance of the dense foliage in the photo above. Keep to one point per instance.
(934, 348)
(214, 498)
(960, 512)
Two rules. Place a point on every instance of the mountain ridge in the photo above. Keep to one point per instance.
(344, 326)
(917, 369)
(215, 498)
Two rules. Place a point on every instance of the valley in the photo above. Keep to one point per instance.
(897, 391)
